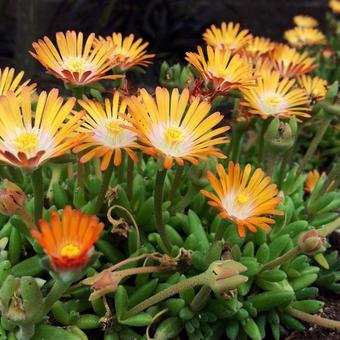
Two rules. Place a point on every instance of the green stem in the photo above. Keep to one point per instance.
(283, 166)
(158, 195)
(271, 164)
(236, 141)
(103, 189)
(166, 293)
(264, 125)
(176, 182)
(282, 259)
(186, 200)
(220, 231)
(55, 177)
(129, 179)
(121, 168)
(314, 143)
(38, 192)
(314, 319)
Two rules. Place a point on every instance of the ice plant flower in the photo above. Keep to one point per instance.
(305, 21)
(258, 47)
(315, 88)
(304, 36)
(174, 130)
(68, 242)
(108, 137)
(226, 72)
(311, 180)
(71, 60)
(9, 81)
(28, 139)
(275, 97)
(290, 63)
(334, 5)
(227, 37)
(126, 52)
(244, 198)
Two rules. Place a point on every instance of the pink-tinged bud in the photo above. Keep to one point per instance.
(224, 275)
(327, 53)
(12, 199)
(310, 242)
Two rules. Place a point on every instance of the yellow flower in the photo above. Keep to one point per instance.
(126, 52)
(305, 21)
(275, 97)
(228, 37)
(28, 139)
(334, 5)
(304, 36)
(312, 179)
(226, 72)
(315, 88)
(290, 63)
(71, 60)
(11, 82)
(258, 47)
(174, 130)
(108, 137)
(243, 198)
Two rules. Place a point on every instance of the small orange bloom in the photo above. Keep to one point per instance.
(244, 198)
(312, 179)
(68, 242)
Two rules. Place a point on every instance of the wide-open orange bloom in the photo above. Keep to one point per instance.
(174, 130)
(258, 47)
(244, 198)
(126, 52)
(68, 242)
(71, 60)
(304, 36)
(107, 136)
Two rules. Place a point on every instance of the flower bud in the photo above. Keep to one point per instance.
(327, 53)
(310, 242)
(12, 199)
(224, 275)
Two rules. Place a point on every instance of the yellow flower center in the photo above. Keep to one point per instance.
(174, 135)
(26, 142)
(76, 64)
(273, 101)
(70, 250)
(114, 127)
(242, 198)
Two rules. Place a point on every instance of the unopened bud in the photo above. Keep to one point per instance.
(12, 199)
(224, 275)
(327, 53)
(310, 242)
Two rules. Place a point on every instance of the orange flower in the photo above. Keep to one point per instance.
(312, 179)
(315, 88)
(174, 130)
(243, 198)
(334, 5)
(304, 36)
(126, 52)
(258, 47)
(72, 61)
(69, 242)
(305, 21)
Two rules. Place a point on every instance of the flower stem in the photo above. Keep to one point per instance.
(38, 192)
(314, 143)
(220, 231)
(283, 166)
(129, 179)
(55, 177)
(158, 195)
(282, 259)
(186, 200)
(315, 319)
(164, 294)
(176, 182)
(236, 141)
(264, 125)
(103, 189)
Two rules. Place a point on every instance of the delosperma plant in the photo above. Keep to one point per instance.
(200, 208)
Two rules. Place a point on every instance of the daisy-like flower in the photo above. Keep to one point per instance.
(291, 63)
(304, 36)
(227, 37)
(275, 97)
(258, 47)
(305, 21)
(334, 5)
(28, 139)
(226, 72)
(244, 198)
(315, 88)
(173, 130)
(11, 82)
(68, 242)
(126, 52)
(71, 60)
(312, 179)
(107, 136)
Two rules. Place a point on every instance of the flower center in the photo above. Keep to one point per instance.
(26, 142)
(174, 136)
(242, 198)
(70, 250)
(76, 64)
(114, 127)
(273, 101)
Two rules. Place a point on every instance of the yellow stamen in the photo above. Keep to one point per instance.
(26, 142)
(70, 250)
(242, 198)
(75, 64)
(273, 101)
(174, 135)
(114, 127)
